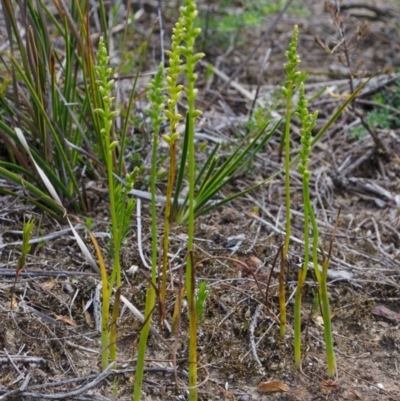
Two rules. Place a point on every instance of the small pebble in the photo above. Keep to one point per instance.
(245, 397)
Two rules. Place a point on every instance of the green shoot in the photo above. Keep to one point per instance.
(157, 100)
(287, 90)
(189, 12)
(202, 295)
(307, 122)
(26, 237)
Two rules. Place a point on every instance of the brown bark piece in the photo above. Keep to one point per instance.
(388, 314)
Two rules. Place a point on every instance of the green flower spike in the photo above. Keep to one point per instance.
(157, 99)
(105, 86)
(173, 71)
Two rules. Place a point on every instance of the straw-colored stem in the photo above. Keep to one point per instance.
(297, 318)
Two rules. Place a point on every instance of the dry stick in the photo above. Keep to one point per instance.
(381, 147)
(62, 10)
(247, 295)
(334, 233)
(39, 273)
(141, 318)
(22, 359)
(250, 56)
(279, 252)
(60, 396)
(259, 78)
(306, 337)
(94, 375)
(45, 237)
(253, 325)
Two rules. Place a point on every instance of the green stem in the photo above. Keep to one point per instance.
(190, 273)
(104, 328)
(330, 354)
(113, 327)
(297, 318)
(167, 219)
(323, 292)
(282, 300)
(116, 272)
(157, 105)
(150, 301)
(315, 238)
(302, 277)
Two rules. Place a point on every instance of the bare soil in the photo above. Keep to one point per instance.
(48, 334)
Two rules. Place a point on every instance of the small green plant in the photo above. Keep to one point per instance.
(358, 133)
(89, 223)
(26, 237)
(379, 118)
(202, 295)
(115, 386)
